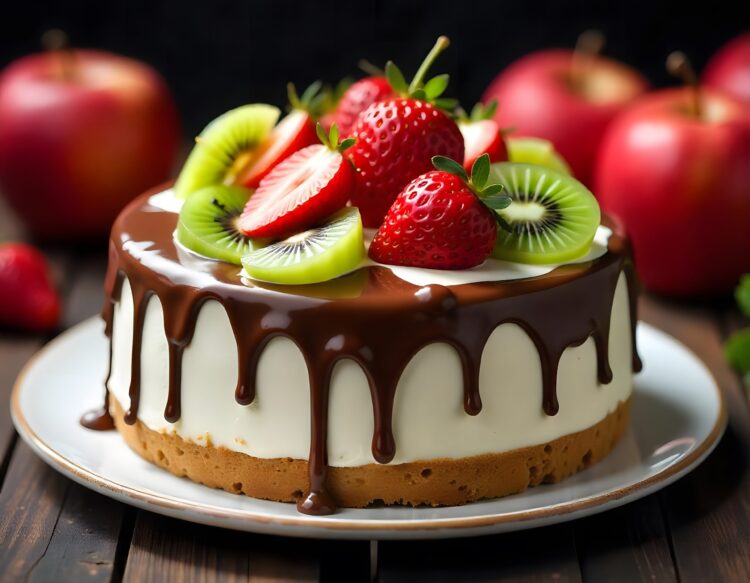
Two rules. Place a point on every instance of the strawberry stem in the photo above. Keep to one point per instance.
(441, 44)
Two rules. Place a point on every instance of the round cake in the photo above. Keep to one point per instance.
(393, 385)
(374, 300)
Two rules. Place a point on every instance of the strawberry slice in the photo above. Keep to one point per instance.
(291, 134)
(301, 191)
(482, 135)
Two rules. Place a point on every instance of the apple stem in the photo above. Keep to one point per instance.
(440, 45)
(588, 46)
(679, 65)
(56, 41)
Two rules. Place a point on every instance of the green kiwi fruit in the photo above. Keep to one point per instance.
(552, 217)
(225, 146)
(536, 151)
(313, 256)
(208, 223)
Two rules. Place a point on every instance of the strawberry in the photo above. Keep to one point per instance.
(291, 134)
(27, 299)
(359, 97)
(442, 219)
(482, 135)
(397, 138)
(302, 190)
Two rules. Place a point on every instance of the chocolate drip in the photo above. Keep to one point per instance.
(100, 419)
(371, 317)
(141, 296)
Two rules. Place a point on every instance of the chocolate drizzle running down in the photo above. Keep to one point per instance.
(326, 322)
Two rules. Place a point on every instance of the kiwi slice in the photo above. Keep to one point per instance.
(208, 223)
(552, 217)
(313, 256)
(536, 151)
(225, 147)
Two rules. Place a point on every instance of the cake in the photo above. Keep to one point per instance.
(399, 378)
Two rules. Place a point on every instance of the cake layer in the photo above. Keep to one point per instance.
(429, 420)
(434, 482)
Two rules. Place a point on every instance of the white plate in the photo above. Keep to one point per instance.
(678, 416)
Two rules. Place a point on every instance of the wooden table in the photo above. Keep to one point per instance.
(52, 529)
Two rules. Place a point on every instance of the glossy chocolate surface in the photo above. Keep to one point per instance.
(370, 316)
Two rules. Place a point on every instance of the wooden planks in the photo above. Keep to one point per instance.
(544, 554)
(52, 529)
(165, 549)
(626, 544)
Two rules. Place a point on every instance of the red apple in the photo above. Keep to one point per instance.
(546, 95)
(680, 181)
(729, 68)
(81, 133)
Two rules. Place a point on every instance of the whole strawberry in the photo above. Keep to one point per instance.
(27, 299)
(397, 138)
(358, 97)
(443, 219)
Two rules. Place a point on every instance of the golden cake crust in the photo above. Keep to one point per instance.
(436, 482)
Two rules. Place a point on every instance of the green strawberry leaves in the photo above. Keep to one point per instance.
(430, 90)
(312, 100)
(445, 164)
(489, 194)
(396, 78)
(737, 348)
(436, 86)
(478, 113)
(331, 141)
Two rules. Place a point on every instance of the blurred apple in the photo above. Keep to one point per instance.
(81, 133)
(677, 172)
(564, 97)
(729, 68)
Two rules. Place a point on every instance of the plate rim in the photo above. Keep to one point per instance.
(187, 511)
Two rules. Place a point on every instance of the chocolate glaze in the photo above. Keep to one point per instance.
(370, 316)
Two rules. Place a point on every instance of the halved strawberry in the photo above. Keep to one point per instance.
(291, 134)
(301, 191)
(482, 135)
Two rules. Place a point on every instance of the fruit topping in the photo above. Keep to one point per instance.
(313, 256)
(358, 97)
(223, 147)
(208, 223)
(552, 217)
(294, 132)
(536, 151)
(442, 219)
(28, 300)
(482, 135)
(302, 191)
(397, 138)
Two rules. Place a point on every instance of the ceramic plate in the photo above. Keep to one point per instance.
(678, 416)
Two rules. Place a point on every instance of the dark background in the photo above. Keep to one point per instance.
(219, 54)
